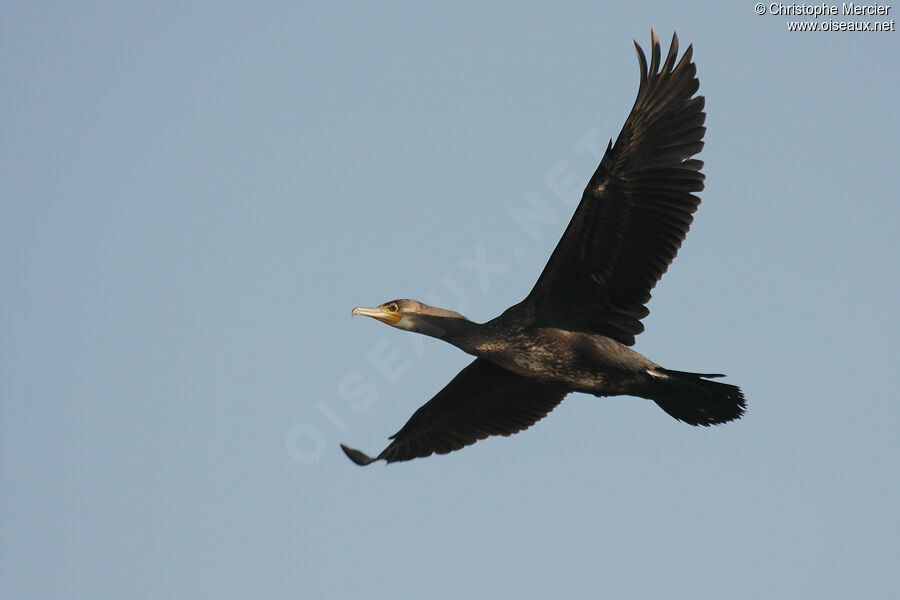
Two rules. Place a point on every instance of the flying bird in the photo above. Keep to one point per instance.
(574, 330)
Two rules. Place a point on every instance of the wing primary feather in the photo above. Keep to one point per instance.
(358, 457)
(642, 63)
(673, 52)
(654, 51)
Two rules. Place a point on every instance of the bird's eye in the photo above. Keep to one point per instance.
(393, 307)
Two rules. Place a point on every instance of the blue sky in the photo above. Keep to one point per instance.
(193, 197)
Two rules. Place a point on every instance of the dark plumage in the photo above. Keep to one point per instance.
(573, 330)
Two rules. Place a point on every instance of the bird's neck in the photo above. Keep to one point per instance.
(459, 331)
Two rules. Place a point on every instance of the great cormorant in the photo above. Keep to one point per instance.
(573, 331)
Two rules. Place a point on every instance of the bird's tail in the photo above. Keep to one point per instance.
(692, 398)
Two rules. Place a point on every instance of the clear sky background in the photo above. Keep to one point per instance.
(192, 199)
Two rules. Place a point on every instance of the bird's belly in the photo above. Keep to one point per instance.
(578, 361)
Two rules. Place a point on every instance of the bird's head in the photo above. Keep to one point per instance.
(411, 315)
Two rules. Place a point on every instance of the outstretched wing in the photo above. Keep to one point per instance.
(635, 211)
(482, 400)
